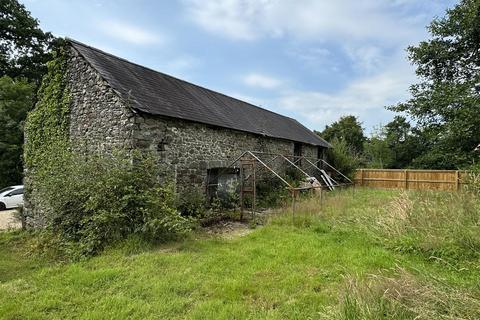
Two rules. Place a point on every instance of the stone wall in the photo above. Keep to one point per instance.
(189, 149)
(99, 120)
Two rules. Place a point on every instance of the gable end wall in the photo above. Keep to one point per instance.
(99, 120)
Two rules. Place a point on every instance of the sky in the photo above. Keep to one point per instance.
(313, 60)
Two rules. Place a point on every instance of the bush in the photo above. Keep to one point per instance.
(191, 202)
(271, 192)
(343, 158)
(94, 201)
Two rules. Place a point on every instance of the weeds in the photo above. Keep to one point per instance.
(443, 226)
(406, 296)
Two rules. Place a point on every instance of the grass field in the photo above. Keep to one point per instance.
(375, 255)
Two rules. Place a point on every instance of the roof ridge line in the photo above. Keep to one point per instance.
(191, 83)
(80, 47)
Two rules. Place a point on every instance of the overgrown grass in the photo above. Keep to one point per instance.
(406, 296)
(343, 258)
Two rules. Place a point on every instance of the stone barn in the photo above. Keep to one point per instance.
(115, 103)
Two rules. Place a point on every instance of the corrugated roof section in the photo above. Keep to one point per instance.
(156, 93)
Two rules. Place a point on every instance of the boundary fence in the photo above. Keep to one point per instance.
(443, 180)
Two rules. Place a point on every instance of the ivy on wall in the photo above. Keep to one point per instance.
(47, 126)
(46, 133)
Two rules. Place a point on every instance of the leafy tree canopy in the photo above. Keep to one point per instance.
(446, 102)
(24, 51)
(406, 142)
(16, 98)
(377, 151)
(24, 47)
(348, 129)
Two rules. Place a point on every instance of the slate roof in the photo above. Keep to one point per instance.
(156, 93)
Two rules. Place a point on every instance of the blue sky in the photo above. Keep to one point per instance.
(313, 60)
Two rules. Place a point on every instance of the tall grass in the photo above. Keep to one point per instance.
(406, 296)
(439, 227)
(442, 226)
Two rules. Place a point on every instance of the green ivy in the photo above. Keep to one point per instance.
(47, 125)
(88, 201)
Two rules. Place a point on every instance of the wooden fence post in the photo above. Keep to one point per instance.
(361, 177)
(457, 180)
(405, 172)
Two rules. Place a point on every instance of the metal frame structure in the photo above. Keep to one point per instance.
(250, 162)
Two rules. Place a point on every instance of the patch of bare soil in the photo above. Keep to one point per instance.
(228, 229)
(8, 221)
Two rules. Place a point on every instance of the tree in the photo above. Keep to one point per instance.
(347, 129)
(446, 102)
(343, 158)
(406, 143)
(24, 47)
(16, 98)
(377, 152)
(24, 51)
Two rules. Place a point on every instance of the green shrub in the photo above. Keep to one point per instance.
(191, 202)
(343, 158)
(271, 192)
(94, 201)
(293, 176)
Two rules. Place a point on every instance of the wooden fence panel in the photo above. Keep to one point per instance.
(442, 180)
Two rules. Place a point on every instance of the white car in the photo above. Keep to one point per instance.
(11, 197)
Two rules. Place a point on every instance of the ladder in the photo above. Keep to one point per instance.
(247, 185)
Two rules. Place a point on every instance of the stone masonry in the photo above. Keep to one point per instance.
(101, 120)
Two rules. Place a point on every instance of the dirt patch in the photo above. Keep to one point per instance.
(8, 221)
(228, 229)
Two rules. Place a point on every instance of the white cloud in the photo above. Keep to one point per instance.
(262, 81)
(226, 17)
(130, 33)
(362, 43)
(363, 96)
(366, 58)
(304, 19)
